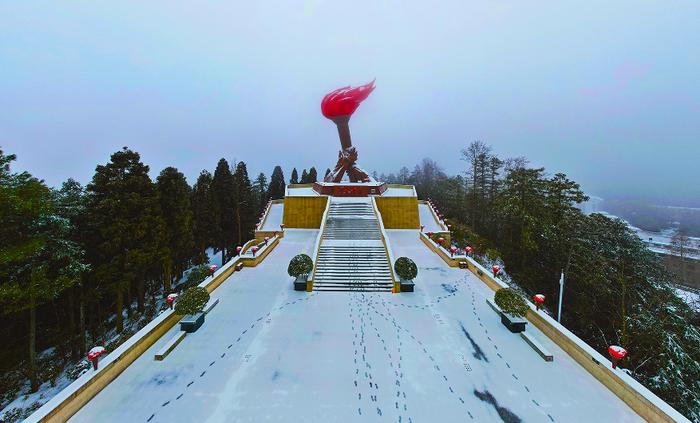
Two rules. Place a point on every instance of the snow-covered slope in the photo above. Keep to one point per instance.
(268, 353)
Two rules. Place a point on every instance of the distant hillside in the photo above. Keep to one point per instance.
(655, 218)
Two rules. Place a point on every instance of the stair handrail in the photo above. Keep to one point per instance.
(385, 241)
(319, 238)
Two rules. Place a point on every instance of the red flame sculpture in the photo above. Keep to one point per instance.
(338, 106)
(344, 101)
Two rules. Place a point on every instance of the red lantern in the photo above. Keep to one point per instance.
(212, 269)
(94, 354)
(422, 227)
(430, 233)
(496, 269)
(440, 240)
(617, 353)
(539, 299)
(170, 299)
(440, 216)
(254, 249)
(238, 250)
(267, 238)
(453, 249)
(468, 249)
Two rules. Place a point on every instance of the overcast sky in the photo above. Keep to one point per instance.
(606, 92)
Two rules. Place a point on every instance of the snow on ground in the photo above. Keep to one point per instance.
(267, 352)
(690, 297)
(428, 219)
(399, 192)
(301, 191)
(274, 217)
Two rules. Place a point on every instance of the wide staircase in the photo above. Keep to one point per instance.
(352, 256)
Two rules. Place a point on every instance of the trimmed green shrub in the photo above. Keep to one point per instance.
(405, 268)
(299, 265)
(511, 302)
(192, 301)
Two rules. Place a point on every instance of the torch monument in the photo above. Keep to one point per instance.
(338, 106)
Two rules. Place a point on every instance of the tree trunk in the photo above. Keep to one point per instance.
(129, 300)
(238, 224)
(81, 324)
(140, 294)
(71, 323)
(167, 279)
(119, 322)
(33, 379)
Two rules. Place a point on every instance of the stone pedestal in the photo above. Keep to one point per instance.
(192, 322)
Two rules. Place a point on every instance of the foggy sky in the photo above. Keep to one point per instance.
(606, 92)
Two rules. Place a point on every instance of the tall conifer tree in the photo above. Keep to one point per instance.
(313, 176)
(174, 194)
(128, 227)
(260, 192)
(276, 189)
(224, 208)
(245, 204)
(204, 216)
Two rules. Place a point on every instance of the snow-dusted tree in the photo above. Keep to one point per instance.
(276, 188)
(260, 192)
(37, 260)
(312, 176)
(176, 209)
(679, 247)
(203, 216)
(244, 205)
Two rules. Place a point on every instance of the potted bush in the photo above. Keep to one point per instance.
(406, 270)
(191, 305)
(513, 309)
(299, 267)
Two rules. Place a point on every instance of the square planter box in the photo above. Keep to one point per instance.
(300, 283)
(191, 322)
(514, 324)
(407, 286)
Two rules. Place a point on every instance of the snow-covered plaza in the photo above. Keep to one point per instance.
(439, 354)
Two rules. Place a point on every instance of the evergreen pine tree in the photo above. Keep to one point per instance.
(128, 228)
(295, 177)
(224, 208)
(245, 205)
(276, 188)
(174, 195)
(327, 172)
(70, 202)
(260, 192)
(203, 216)
(313, 176)
(304, 177)
(37, 261)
